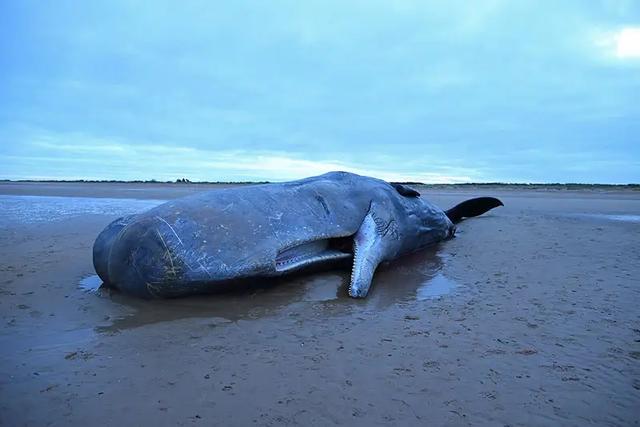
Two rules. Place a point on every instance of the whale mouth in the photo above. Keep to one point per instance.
(316, 252)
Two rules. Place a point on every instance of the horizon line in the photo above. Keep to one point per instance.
(179, 181)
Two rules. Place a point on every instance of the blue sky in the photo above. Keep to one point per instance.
(433, 91)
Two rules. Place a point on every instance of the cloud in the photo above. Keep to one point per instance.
(622, 44)
(627, 43)
(98, 158)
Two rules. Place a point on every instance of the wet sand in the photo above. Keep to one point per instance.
(528, 317)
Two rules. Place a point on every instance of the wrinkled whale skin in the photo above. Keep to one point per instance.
(197, 243)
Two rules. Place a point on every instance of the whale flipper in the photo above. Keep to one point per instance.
(472, 207)
(373, 243)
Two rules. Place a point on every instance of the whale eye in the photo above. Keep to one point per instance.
(405, 191)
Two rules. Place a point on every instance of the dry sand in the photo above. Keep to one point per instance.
(529, 317)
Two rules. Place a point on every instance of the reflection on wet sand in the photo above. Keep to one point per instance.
(413, 278)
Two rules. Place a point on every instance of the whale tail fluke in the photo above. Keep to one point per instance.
(472, 207)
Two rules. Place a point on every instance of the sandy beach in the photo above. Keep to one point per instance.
(529, 317)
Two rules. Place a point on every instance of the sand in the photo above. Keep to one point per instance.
(530, 317)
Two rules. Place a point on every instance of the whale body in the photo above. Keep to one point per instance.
(216, 238)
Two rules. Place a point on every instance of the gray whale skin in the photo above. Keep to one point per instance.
(209, 240)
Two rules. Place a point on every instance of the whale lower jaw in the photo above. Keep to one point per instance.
(304, 262)
(313, 253)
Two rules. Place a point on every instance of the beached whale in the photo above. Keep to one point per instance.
(215, 238)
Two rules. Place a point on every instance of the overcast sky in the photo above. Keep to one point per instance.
(433, 91)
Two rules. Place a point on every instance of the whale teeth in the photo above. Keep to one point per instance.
(353, 264)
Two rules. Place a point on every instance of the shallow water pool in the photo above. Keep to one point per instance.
(37, 209)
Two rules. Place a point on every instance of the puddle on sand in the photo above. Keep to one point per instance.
(38, 209)
(435, 287)
(90, 284)
(415, 277)
(610, 217)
